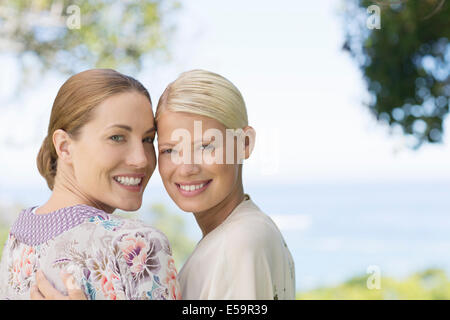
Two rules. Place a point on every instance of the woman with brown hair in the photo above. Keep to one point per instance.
(98, 156)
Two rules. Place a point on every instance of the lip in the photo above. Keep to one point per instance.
(137, 188)
(195, 192)
(131, 175)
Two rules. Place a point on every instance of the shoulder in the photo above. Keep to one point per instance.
(250, 228)
(126, 230)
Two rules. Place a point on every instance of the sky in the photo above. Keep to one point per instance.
(303, 93)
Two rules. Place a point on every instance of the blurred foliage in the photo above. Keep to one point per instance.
(44, 34)
(406, 63)
(431, 284)
(3, 236)
(174, 227)
(8, 214)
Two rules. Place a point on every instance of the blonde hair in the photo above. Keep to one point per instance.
(207, 94)
(73, 108)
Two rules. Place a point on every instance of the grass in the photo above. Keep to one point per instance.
(431, 284)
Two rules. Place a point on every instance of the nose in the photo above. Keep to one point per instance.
(188, 166)
(189, 169)
(137, 156)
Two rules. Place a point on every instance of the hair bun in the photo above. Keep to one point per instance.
(46, 162)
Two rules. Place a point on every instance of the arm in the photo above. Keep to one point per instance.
(44, 290)
(246, 264)
(249, 275)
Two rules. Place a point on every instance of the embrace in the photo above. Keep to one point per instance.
(99, 155)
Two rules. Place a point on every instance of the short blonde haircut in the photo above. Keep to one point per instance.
(207, 94)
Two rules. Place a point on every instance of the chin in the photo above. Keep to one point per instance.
(131, 206)
(190, 207)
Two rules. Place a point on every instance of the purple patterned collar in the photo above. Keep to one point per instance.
(34, 229)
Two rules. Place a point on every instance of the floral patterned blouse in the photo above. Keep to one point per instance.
(111, 257)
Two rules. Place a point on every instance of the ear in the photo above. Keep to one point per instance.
(250, 136)
(62, 143)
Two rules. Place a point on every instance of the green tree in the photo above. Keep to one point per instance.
(405, 63)
(69, 36)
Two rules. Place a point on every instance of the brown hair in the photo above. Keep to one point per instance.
(73, 108)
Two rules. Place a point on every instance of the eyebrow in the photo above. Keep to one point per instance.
(166, 144)
(128, 128)
(169, 144)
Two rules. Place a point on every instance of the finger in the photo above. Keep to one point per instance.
(35, 294)
(47, 289)
(73, 290)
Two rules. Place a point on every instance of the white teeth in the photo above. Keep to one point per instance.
(192, 187)
(127, 181)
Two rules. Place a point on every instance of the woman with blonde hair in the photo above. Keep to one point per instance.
(98, 156)
(203, 138)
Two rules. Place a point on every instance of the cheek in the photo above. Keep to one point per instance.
(84, 163)
(98, 163)
(165, 167)
(226, 174)
(232, 172)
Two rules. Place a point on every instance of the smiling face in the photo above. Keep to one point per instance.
(195, 186)
(113, 158)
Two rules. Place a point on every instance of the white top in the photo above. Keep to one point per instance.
(245, 257)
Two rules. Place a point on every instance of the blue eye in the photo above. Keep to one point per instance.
(168, 151)
(117, 138)
(149, 140)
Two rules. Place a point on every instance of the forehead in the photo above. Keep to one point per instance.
(169, 121)
(126, 108)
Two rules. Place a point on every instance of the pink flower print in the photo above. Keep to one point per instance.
(140, 254)
(171, 280)
(107, 284)
(22, 268)
(27, 262)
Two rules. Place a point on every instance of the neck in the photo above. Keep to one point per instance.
(66, 194)
(210, 219)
